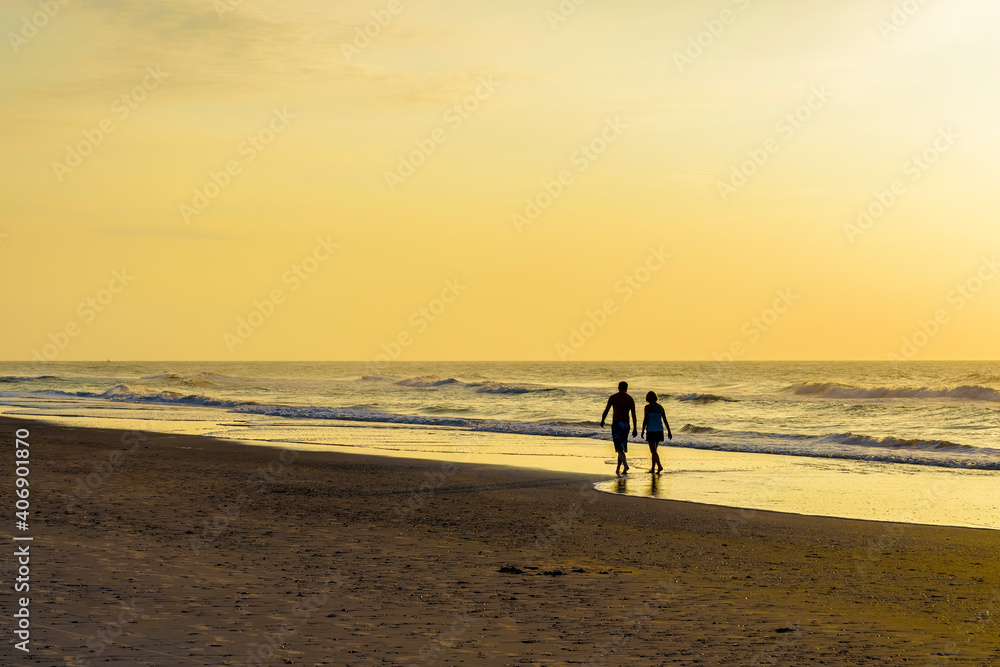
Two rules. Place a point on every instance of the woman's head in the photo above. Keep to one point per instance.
(651, 397)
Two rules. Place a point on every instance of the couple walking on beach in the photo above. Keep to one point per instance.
(654, 420)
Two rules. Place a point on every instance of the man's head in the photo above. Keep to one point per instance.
(623, 386)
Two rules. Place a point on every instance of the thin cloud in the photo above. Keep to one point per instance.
(250, 51)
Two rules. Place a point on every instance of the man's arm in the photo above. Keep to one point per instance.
(635, 422)
(605, 415)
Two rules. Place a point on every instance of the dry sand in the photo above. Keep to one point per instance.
(187, 551)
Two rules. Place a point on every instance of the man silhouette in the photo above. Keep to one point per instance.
(623, 405)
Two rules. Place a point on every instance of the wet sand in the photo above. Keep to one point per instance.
(179, 550)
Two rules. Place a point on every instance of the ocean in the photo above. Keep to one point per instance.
(862, 418)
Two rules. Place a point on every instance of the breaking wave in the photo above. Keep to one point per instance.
(836, 390)
(20, 378)
(897, 443)
(705, 398)
(427, 382)
(127, 394)
(691, 428)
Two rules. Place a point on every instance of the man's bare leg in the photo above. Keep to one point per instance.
(622, 461)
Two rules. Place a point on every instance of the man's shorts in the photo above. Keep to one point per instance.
(619, 434)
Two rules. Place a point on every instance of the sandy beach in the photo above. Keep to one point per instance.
(325, 320)
(180, 550)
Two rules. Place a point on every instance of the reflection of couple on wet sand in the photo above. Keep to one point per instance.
(654, 420)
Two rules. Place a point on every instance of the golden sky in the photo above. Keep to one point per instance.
(520, 180)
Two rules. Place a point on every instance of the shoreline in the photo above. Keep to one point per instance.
(806, 486)
(357, 559)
